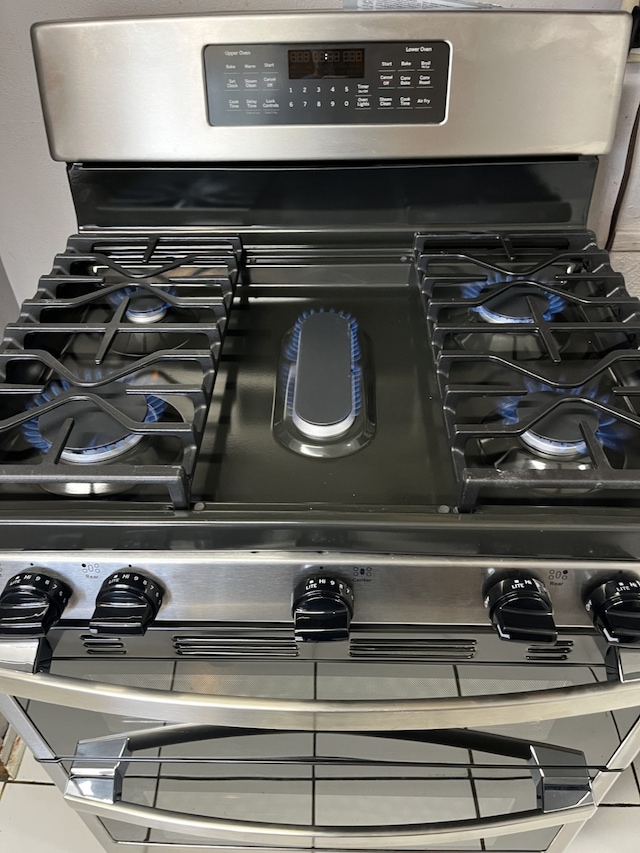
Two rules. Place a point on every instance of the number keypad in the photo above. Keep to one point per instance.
(402, 83)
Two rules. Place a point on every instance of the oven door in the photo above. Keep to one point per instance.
(509, 777)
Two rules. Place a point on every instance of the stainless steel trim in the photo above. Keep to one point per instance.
(339, 715)
(349, 837)
(205, 586)
(133, 89)
(561, 775)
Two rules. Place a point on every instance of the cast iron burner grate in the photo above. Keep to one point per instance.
(526, 296)
(122, 338)
(536, 346)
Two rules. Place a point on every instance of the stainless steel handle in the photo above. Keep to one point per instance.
(317, 715)
(562, 782)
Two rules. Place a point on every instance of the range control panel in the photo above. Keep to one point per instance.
(339, 83)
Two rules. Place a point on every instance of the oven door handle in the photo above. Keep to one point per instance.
(561, 775)
(320, 715)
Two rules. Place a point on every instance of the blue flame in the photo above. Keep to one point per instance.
(473, 289)
(31, 429)
(507, 408)
(118, 296)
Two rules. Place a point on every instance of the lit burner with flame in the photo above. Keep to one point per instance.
(96, 435)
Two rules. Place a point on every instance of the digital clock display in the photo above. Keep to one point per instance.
(322, 62)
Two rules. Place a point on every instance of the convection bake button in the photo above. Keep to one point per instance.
(128, 603)
(322, 609)
(615, 609)
(521, 610)
(31, 603)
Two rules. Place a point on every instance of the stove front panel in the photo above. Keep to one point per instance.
(105, 83)
(236, 588)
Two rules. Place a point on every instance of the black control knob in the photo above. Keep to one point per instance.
(521, 610)
(615, 609)
(127, 603)
(322, 609)
(31, 603)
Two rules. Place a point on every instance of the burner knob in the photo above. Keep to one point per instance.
(127, 603)
(31, 603)
(322, 609)
(521, 610)
(615, 609)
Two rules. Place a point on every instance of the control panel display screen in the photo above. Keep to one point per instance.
(322, 62)
(374, 83)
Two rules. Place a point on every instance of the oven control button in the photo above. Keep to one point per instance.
(31, 603)
(322, 609)
(127, 603)
(521, 610)
(615, 609)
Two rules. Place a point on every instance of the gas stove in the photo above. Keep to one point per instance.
(324, 429)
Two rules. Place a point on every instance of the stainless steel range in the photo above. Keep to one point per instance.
(320, 443)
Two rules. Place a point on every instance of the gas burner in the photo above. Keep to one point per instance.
(515, 306)
(558, 435)
(146, 309)
(556, 441)
(143, 307)
(323, 405)
(96, 436)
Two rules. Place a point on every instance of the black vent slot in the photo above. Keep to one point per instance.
(105, 646)
(444, 649)
(559, 652)
(229, 647)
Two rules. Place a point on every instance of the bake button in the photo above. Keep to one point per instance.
(424, 80)
(270, 81)
(230, 66)
(250, 82)
(232, 83)
(406, 64)
(405, 102)
(387, 81)
(385, 102)
(363, 103)
(405, 80)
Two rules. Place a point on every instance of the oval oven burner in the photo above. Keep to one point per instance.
(323, 404)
